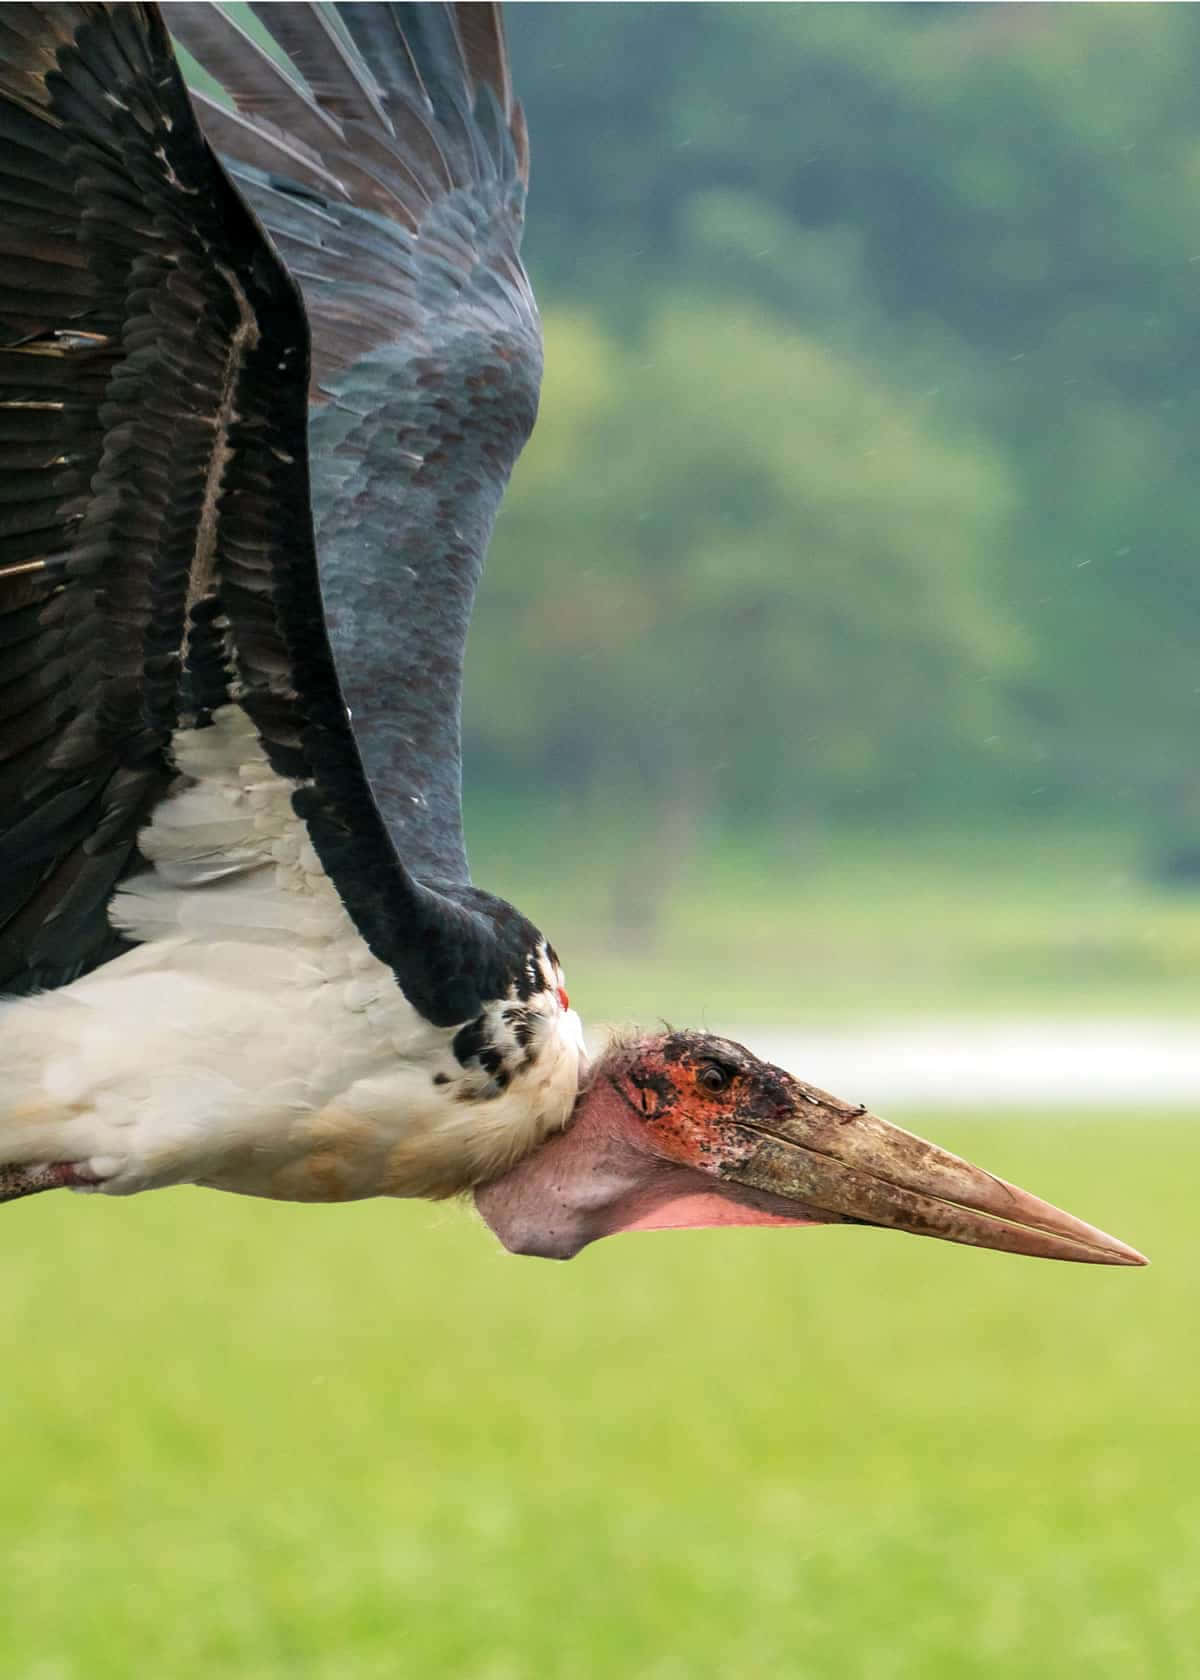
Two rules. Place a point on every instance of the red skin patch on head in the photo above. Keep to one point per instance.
(564, 1002)
(695, 1128)
(689, 1125)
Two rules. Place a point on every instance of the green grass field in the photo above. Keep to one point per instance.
(266, 1442)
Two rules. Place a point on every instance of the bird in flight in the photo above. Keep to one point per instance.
(267, 357)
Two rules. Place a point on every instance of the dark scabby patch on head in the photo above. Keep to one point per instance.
(682, 1045)
(656, 1090)
(666, 1070)
(441, 1079)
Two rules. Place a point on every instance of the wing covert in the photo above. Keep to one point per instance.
(388, 161)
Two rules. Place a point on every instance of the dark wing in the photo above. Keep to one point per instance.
(387, 159)
(156, 546)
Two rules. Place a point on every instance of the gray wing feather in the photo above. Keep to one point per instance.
(400, 218)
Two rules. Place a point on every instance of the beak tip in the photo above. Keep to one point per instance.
(1111, 1251)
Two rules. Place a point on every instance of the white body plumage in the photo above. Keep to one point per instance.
(251, 1041)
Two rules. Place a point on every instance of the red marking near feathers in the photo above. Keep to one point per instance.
(564, 1001)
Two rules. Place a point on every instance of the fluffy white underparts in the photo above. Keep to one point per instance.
(251, 1041)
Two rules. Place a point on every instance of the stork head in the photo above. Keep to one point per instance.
(684, 1129)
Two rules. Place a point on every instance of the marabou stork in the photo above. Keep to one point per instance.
(238, 936)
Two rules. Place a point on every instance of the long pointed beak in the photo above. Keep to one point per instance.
(847, 1164)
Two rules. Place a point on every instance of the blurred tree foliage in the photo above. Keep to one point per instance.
(720, 604)
(866, 471)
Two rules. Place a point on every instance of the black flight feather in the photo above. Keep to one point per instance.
(157, 553)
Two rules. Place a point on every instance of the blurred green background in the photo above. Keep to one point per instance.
(838, 663)
(862, 507)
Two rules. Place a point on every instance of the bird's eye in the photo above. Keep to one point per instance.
(713, 1077)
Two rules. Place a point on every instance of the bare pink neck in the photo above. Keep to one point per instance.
(561, 1196)
(600, 1176)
